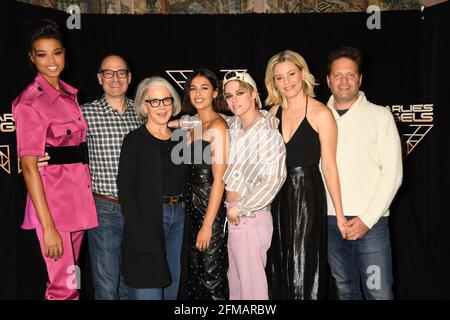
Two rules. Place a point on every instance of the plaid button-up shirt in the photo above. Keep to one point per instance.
(106, 130)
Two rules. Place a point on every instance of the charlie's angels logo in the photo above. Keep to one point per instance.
(7, 123)
(415, 120)
(180, 76)
(5, 162)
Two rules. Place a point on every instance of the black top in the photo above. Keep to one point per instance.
(173, 174)
(140, 189)
(199, 162)
(303, 149)
(342, 112)
(200, 153)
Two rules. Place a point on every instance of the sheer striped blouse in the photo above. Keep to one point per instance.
(256, 163)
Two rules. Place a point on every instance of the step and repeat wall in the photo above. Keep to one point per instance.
(406, 71)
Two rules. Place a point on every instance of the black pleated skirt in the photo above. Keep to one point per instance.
(297, 259)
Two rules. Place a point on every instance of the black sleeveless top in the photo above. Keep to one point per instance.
(200, 153)
(303, 149)
(199, 163)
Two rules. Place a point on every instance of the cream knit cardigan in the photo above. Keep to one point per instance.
(369, 160)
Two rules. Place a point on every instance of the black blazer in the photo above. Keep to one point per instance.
(139, 182)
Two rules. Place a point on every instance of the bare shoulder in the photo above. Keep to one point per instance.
(217, 128)
(319, 115)
(219, 123)
(317, 109)
(215, 123)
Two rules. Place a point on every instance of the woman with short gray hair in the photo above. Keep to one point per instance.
(141, 92)
(150, 188)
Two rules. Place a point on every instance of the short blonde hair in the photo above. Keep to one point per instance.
(146, 84)
(274, 97)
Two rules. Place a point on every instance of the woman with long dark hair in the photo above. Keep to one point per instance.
(207, 262)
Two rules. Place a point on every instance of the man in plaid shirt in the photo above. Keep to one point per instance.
(109, 120)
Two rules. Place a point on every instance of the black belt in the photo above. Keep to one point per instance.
(172, 199)
(68, 154)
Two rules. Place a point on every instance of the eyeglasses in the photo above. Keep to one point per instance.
(154, 103)
(108, 74)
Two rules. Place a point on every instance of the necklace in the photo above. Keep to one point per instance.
(253, 121)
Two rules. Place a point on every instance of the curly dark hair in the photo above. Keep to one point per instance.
(44, 29)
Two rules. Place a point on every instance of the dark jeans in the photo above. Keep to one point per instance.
(365, 263)
(105, 247)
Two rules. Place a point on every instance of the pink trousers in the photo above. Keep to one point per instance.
(248, 243)
(63, 274)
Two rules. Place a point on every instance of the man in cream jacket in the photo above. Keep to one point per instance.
(369, 160)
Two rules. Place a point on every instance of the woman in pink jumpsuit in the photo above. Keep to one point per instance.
(59, 203)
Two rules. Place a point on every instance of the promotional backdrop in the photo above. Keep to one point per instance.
(406, 71)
